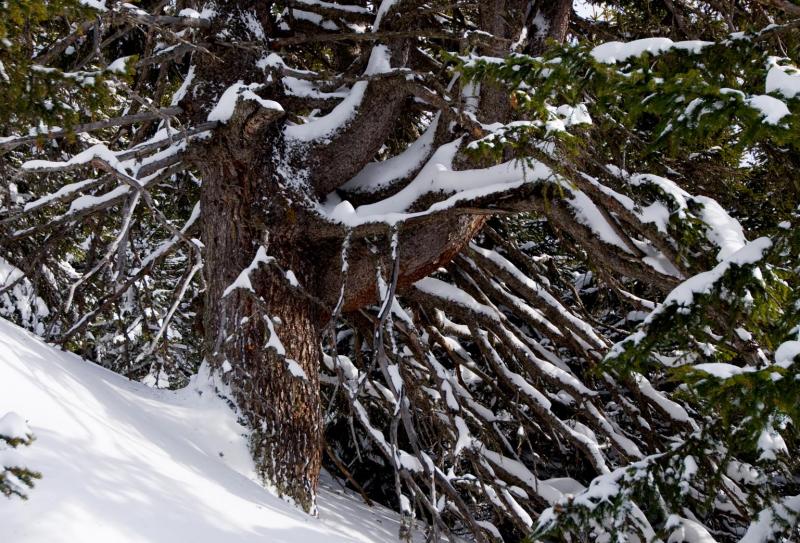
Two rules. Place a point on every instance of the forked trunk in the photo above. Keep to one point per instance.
(264, 336)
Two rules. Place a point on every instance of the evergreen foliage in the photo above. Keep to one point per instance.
(15, 480)
(613, 358)
(725, 341)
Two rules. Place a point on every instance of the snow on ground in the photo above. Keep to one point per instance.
(125, 463)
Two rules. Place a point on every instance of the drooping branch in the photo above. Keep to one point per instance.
(164, 113)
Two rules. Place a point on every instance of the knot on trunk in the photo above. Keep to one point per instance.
(249, 120)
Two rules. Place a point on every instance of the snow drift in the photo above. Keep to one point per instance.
(125, 463)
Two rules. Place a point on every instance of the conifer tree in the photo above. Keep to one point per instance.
(513, 270)
(15, 479)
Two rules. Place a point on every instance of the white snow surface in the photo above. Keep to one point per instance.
(786, 353)
(723, 370)
(323, 127)
(723, 230)
(784, 80)
(378, 175)
(770, 521)
(13, 426)
(99, 5)
(437, 176)
(684, 530)
(702, 283)
(615, 51)
(223, 111)
(126, 463)
(772, 110)
(588, 214)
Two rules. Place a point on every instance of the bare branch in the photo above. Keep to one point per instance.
(125, 120)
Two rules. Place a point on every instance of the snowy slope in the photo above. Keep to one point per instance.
(124, 463)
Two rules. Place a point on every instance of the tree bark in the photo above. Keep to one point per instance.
(265, 341)
(549, 20)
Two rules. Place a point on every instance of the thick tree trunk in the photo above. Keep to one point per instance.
(264, 340)
(549, 20)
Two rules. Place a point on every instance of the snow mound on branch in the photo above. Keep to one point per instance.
(13, 426)
(125, 463)
(783, 79)
(615, 51)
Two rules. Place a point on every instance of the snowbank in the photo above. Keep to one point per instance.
(125, 463)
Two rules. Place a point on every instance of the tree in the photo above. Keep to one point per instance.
(300, 173)
(14, 478)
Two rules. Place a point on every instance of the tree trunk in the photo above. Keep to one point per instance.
(264, 340)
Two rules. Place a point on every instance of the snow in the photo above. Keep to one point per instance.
(446, 291)
(272, 60)
(383, 9)
(588, 214)
(615, 51)
(189, 12)
(66, 190)
(99, 5)
(684, 530)
(304, 88)
(13, 426)
(771, 444)
(333, 5)
(380, 61)
(784, 80)
(772, 521)
(722, 370)
(591, 10)
(703, 282)
(550, 490)
(90, 200)
(722, 229)
(97, 151)
(165, 246)
(323, 127)
(253, 25)
(604, 489)
(437, 177)
(314, 18)
(772, 110)
(119, 66)
(675, 411)
(786, 353)
(243, 279)
(184, 88)
(464, 437)
(295, 369)
(226, 104)
(20, 300)
(548, 298)
(378, 175)
(574, 115)
(125, 463)
(274, 342)
(523, 515)
(292, 278)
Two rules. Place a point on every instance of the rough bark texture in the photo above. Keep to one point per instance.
(250, 204)
(280, 405)
(423, 249)
(549, 20)
(460, 381)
